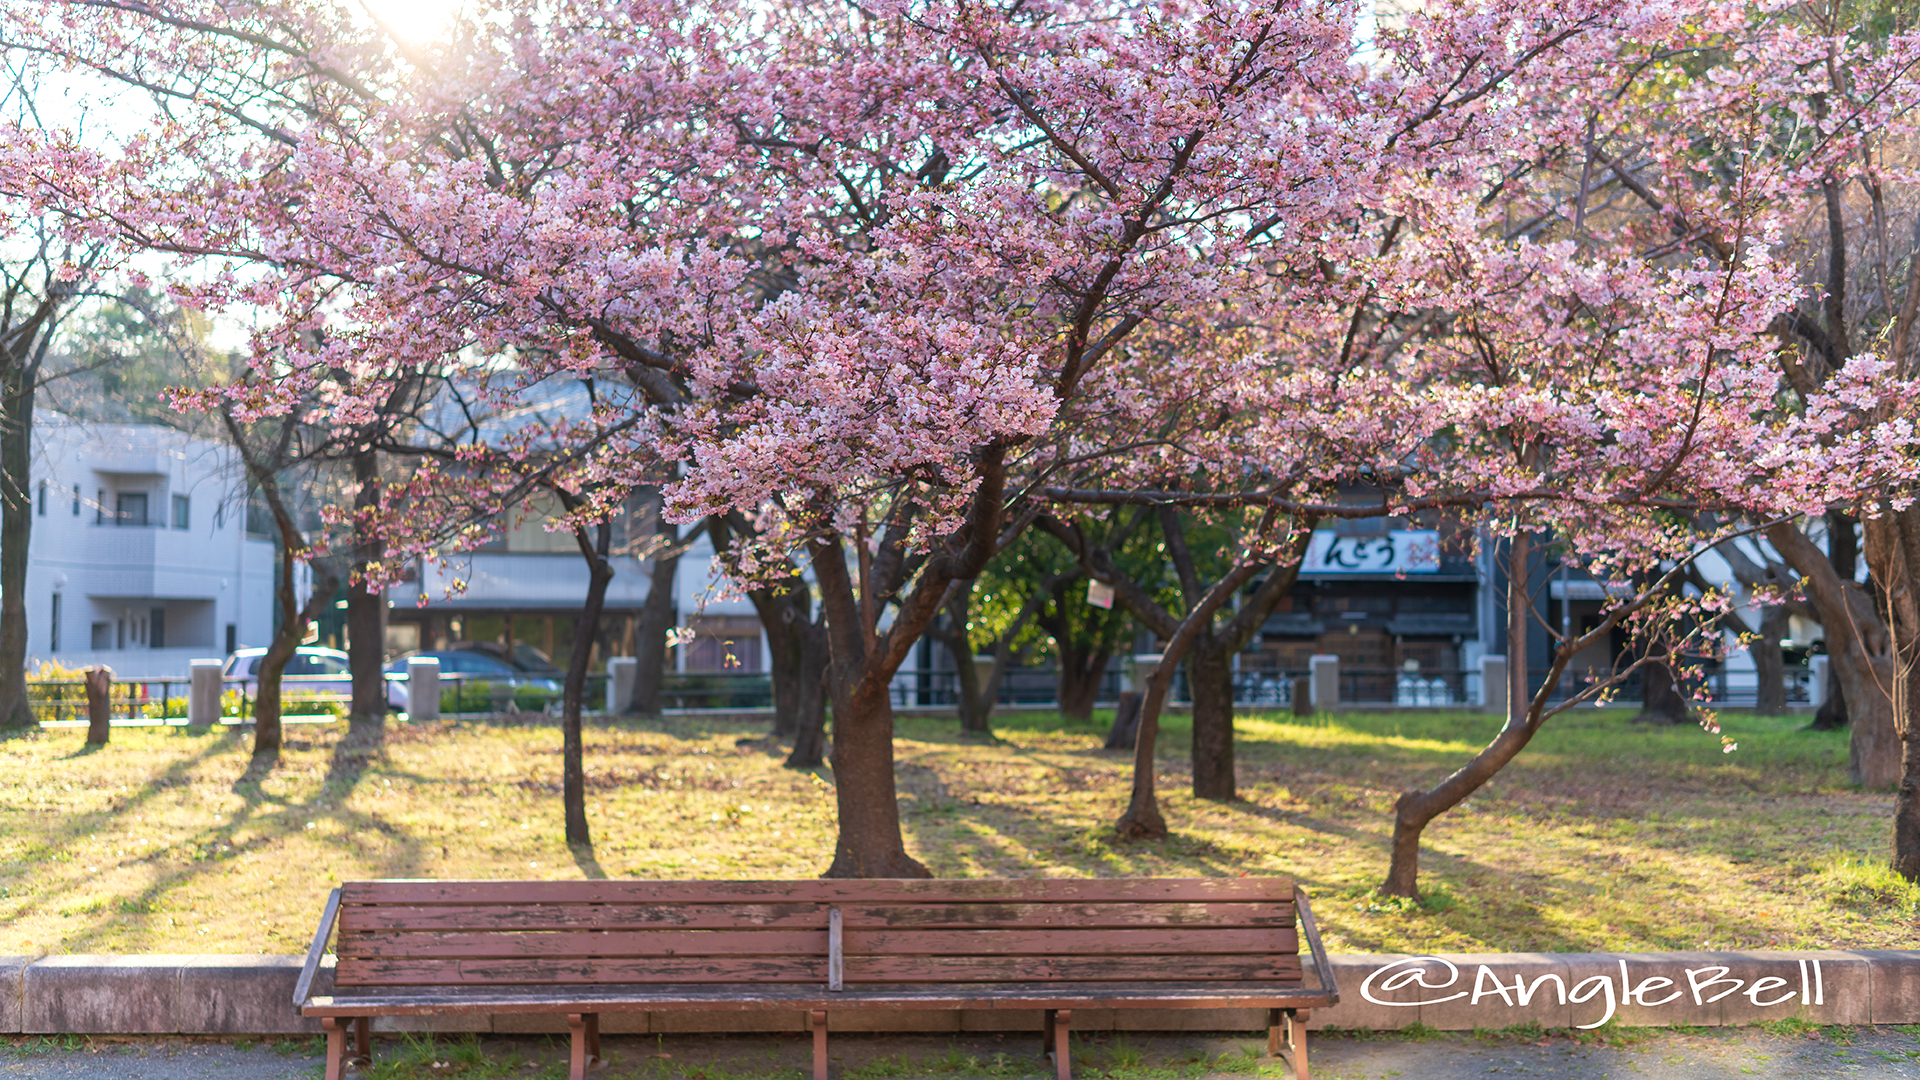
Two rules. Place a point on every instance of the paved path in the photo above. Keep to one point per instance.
(1734, 1054)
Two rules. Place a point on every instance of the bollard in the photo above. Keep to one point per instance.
(622, 671)
(1142, 669)
(1817, 680)
(1324, 691)
(1493, 685)
(423, 688)
(99, 682)
(203, 693)
(1303, 695)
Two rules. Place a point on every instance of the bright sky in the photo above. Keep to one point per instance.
(417, 20)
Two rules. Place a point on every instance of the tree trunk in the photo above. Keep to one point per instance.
(286, 638)
(1769, 664)
(1414, 810)
(1082, 670)
(573, 782)
(1661, 701)
(1859, 648)
(785, 625)
(1210, 682)
(1832, 713)
(16, 531)
(1142, 819)
(1906, 807)
(657, 616)
(810, 702)
(366, 613)
(869, 844)
(1126, 722)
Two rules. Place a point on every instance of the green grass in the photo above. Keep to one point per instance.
(1603, 835)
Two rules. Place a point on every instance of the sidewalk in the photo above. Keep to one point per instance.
(1701, 1054)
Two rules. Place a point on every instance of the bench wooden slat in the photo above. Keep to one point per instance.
(805, 916)
(587, 943)
(430, 971)
(1069, 942)
(1028, 969)
(873, 890)
(484, 917)
(921, 970)
(1015, 943)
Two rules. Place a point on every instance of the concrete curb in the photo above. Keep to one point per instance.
(252, 995)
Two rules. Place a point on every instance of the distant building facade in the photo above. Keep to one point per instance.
(140, 557)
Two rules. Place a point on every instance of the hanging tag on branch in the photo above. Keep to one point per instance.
(1100, 594)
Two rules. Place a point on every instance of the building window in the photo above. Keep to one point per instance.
(99, 505)
(130, 508)
(180, 512)
(233, 639)
(76, 500)
(53, 635)
(157, 628)
(102, 636)
(42, 506)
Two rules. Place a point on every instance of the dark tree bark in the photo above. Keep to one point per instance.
(1661, 701)
(1843, 552)
(1210, 681)
(23, 348)
(366, 612)
(1208, 650)
(1893, 556)
(263, 465)
(657, 616)
(1415, 810)
(1860, 650)
(1769, 663)
(1832, 713)
(810, 703)
(597, 550)
(950, 630)
(1082, 658)
(1126, 722)
(797, 642)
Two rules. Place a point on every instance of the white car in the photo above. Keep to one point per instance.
(311, 669)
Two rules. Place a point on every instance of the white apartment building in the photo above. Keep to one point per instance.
(140, 558)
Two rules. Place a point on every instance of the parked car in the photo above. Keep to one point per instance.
(310, 670)
(474, 681)
(526, 659)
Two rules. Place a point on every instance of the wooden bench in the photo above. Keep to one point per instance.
(586, 948)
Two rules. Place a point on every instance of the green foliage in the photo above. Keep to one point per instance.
(1870, 883)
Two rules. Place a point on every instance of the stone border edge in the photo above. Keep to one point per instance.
(251, 996)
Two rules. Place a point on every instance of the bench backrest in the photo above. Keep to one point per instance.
(419, 933)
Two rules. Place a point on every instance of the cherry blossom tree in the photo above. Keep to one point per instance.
(864, 264)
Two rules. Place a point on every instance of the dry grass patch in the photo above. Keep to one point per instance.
(1603, 835)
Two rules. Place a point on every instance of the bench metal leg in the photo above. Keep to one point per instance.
(585, 1029)
(1062, 1030)
(819, 1044)
(1274, 1021)
(363, 1039)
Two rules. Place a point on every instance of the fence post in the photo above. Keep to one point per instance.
(203, 692)
(1323, 691)
(622, 672)
(99, 682)
(1493, 685)
(423, 688)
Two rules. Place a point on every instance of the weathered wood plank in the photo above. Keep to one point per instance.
(1041, 969)
(430, 971)
(646, 943)
(1072, 941)
(542, 916)
(546, 916)
(838, 891)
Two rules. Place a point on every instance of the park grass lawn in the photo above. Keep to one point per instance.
(1604, 835)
